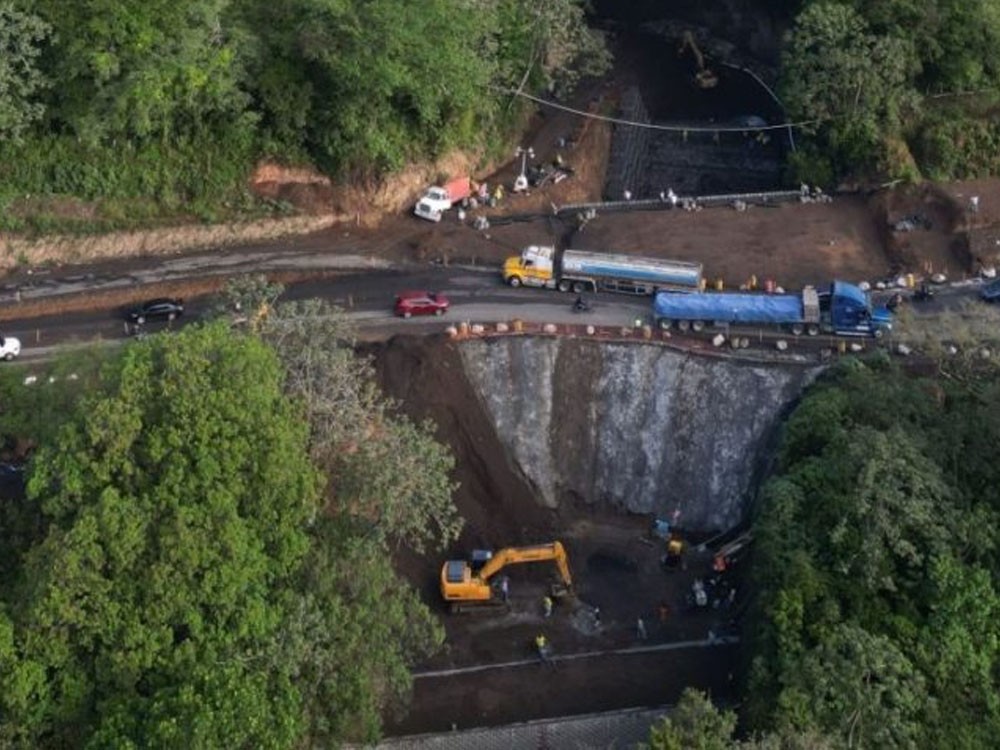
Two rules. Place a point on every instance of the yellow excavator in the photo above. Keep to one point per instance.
(704, 78)
(468, 589)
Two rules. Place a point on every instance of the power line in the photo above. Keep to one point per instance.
(653, 126)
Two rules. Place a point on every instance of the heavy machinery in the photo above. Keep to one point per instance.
(704, 78)
(590, 271)
(843, 310)
(466, 588)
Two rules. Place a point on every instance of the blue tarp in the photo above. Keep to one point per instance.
(729, 307)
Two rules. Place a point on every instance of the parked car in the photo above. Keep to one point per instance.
(164, 308)
(421, 303)
(10, 347)
(991, 292)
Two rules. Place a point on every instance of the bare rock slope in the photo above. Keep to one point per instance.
(638, 428)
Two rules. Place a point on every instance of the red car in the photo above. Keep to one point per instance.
(420, 303)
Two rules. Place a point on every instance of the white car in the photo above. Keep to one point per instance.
(10, 347)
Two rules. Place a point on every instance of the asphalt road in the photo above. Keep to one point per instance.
(367, 297)
(477, 295)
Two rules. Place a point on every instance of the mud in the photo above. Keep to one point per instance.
(618, 578)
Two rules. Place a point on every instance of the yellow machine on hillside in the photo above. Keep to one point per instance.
(704, 78)
(465, 588)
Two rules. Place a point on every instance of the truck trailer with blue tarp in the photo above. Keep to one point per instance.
(844, 310)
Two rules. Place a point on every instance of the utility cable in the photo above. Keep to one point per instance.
(669, 128)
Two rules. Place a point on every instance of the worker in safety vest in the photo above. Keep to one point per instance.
(543, 648)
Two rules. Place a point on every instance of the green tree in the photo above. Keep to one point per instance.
(385, 472)
(21, 38)
(352, 634)
(130, 69)
(860, 686)
(958, 649)
(546, 45)
(853, 84)
(693, 724)
(363, 86)
(177, 500)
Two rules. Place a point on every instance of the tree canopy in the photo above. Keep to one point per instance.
(151, 100)
(876, 558)
(861, 73)
(176, 577)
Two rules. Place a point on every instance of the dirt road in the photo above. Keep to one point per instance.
(599, 683)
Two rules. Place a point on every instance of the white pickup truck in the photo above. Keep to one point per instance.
(10, 347)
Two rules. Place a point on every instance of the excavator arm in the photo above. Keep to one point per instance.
(459, 584)
(703, 76)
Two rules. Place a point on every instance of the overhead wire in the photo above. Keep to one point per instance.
(655, 126)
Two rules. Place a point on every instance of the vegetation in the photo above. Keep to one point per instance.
(886, 87)
(164, 107)
(877, 562)
(175, 576)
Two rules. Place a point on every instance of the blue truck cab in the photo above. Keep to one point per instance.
(847, 311)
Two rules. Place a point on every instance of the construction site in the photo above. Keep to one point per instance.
(604, 564)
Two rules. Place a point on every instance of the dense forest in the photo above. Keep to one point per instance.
(877, 572)
(150, 109)
(158, 106)
(204, 554)
(894, 88)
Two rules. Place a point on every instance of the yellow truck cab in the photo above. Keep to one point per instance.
(533, 267)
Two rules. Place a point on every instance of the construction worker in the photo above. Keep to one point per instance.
(547, 606)
(543, 648)
(505, 589)
(640, 629)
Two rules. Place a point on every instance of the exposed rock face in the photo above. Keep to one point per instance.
(636, 427)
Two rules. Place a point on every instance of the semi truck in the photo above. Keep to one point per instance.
(439, 198)
(843, 309)
(584, 270)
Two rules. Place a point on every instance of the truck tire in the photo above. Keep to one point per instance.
(579, 287)
(9, 356)
(564, 285)
(698, 325)
(683, 325)
(439, 312)
(407, 314)
(664, 324)
(878, 333)
(812, 329)
(514, 281)
(798, 329)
